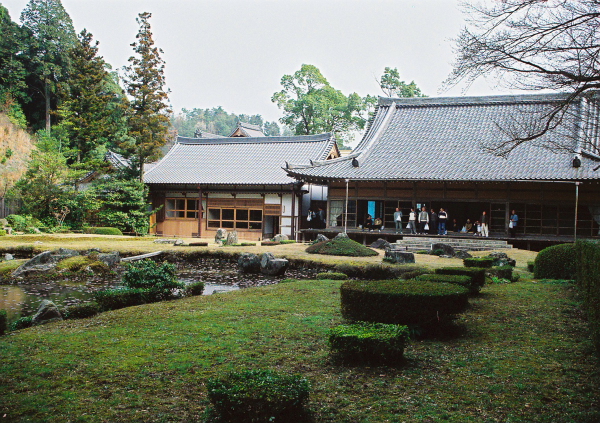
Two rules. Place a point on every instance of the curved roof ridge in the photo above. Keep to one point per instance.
(250, 140)
(475, 100)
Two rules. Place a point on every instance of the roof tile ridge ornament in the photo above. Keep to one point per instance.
(366, 150)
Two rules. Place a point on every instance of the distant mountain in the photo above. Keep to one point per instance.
(15, 148)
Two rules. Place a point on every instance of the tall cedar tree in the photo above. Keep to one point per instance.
(88, 106)
(12, 59)
(52, 37)
(148, 119)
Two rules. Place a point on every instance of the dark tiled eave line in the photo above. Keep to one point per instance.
(255, 140)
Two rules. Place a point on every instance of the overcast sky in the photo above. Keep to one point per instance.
(233, 53)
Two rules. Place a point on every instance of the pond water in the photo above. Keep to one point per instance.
(23, 299)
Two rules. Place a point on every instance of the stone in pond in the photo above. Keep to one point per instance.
(48, 312)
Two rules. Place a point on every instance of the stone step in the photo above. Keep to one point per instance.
(475, 244)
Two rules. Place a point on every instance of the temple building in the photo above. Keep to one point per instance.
(237, 182)
(444, 152)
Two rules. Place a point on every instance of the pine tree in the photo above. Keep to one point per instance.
(52, 36)
(90, 101)
(148, 119)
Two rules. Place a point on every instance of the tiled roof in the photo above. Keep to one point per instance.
(443, 138)
(249, 130)
(239, 161)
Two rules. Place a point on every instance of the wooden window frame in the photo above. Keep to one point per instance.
(188, 213)
(237, 223)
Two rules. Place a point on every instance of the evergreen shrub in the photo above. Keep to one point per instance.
(461, 280)
(247, 244)
(22, 323)
(287, 241)
(3, 322)
(377, 271)
(113, 299)
(341, 247)
(368, 343)
(103, 231)
(503, 272)
(82, 311)
(530, 266)
(2, 232)
(336, 276)
(476, 274)
(402, 302)
(253, 396)
(159, 279)
(588, 283)
(194, 289)
(484, 262)
(556, 262)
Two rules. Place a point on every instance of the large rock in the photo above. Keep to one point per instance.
(221, 236)
(399, 256)
(110, 259)
(462, 254)
(341, 235)
(8, 257)
(269, 265)
(280, 237)
(381, 244)
(249, 263)
(320, 238)
(501, 259)
(39, 263)
(232, 238)
(447, 249)
(47, 312)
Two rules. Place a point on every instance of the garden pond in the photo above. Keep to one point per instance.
(219, 276)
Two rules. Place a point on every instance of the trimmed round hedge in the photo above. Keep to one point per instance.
(402, 302)
(368, 342)
(103, 231)
(258, 396)
(336, 276)
(556, 262)
(341, 247)
(477, 275)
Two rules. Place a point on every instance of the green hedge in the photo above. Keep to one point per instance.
(103, 231)
(588, 283)
(476, 274)
(258, 396)
(336, 276)
(193, 289)
(287, 241)
(22, 323)
(379, 271)
(556, 262)
(464, 281)
(113, 299)
(484, 262)
(3, 322)
(2, 232)
(81, 311)
(504, 272)
(530, 266)
(402, 302)
(159, 278)
(368, 343)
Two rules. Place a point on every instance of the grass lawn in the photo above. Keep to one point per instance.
(523, 356)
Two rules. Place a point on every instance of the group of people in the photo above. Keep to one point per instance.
(316, 219)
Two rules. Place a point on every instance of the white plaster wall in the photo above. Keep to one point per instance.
(286, 202)
(272, 199)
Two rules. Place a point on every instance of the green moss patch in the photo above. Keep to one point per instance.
(341, 247)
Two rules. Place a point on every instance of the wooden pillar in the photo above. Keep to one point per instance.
(293, 211)
(199, 212)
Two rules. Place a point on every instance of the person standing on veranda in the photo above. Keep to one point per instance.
(398, 220)
(412, 222)
(512, 226)
(485, 231)
(423, 220)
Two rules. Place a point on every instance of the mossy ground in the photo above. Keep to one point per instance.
(522, 354)
(341, 247)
